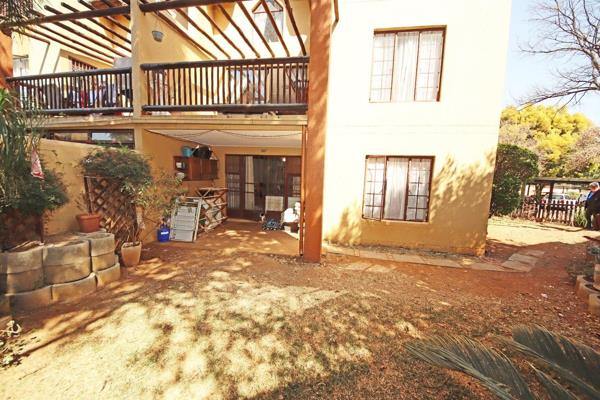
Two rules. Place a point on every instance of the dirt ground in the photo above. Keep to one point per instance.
(215, 322)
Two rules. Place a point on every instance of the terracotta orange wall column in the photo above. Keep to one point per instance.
(6, 64)
(320, 38)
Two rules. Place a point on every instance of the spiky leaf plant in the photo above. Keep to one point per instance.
(575, 363)
(494, 370)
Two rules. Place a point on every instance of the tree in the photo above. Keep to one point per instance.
(551, 133)
(569, 30)
(584, 160)
(515, 166)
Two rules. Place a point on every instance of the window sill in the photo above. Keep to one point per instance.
(396, 221)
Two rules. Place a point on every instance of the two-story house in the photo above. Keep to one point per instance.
(379, 116)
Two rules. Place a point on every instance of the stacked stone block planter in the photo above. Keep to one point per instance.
(55, 272)
(588, 289)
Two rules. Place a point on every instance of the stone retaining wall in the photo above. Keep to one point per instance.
(54, 272)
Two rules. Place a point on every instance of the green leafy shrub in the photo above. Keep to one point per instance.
(20, 133)
(515, 166)
(120, 164)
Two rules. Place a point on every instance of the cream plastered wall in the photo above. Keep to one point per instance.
(460, 130)
(63, 158)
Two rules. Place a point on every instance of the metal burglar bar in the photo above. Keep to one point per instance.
(251, 86)
(107, 91)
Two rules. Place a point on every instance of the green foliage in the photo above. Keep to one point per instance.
(154, 197)
(20, 133)
(158, 200)
(515, 166)
(579, 219)
(553, 134)
(574, 366)
(123, 165)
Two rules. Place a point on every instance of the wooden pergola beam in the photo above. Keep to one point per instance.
(92, 31)
(115, 33)
(256, 28)
(86, 37)
(108, 17)
(275, 27)
(94, 13)
(216, 26)
(238, 29)
(202, 31)
(110, 6)
(288, 6)
(169, 5)
(66, 44)
(75, 41)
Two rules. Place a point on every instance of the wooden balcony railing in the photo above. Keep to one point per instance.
(105, 91)
(237, 86)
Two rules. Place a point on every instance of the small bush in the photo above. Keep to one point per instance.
(515, 166)
(120, 164)
(579, 220)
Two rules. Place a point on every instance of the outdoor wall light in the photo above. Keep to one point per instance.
(157, 36)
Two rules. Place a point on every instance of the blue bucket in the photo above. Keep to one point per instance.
(187, 151)
(162, 234)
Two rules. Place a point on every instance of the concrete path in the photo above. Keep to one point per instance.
(521, 261)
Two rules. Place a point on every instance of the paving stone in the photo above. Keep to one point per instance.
(532, 253)
(72, 290)
(441, 262)
(489, 267)
(517, 266)
(523, 259)
(408, 258)
(54, 274)
(108, 275)
(30, 300)
(103, 261)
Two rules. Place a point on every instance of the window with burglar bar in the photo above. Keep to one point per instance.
(407, 65)
(397, 188)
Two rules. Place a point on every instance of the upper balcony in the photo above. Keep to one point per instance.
(118, 57)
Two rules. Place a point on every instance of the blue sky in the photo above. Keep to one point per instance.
(526, 71)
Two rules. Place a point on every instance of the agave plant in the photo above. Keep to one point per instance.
(575, 367)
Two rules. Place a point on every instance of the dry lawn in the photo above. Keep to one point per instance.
(192, 323)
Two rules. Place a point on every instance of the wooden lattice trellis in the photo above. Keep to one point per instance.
(116, 208)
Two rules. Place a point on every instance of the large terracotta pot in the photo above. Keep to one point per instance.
(88, 223)
(131, 253)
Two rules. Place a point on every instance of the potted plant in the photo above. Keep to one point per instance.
(88, 222)
(152, 198)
